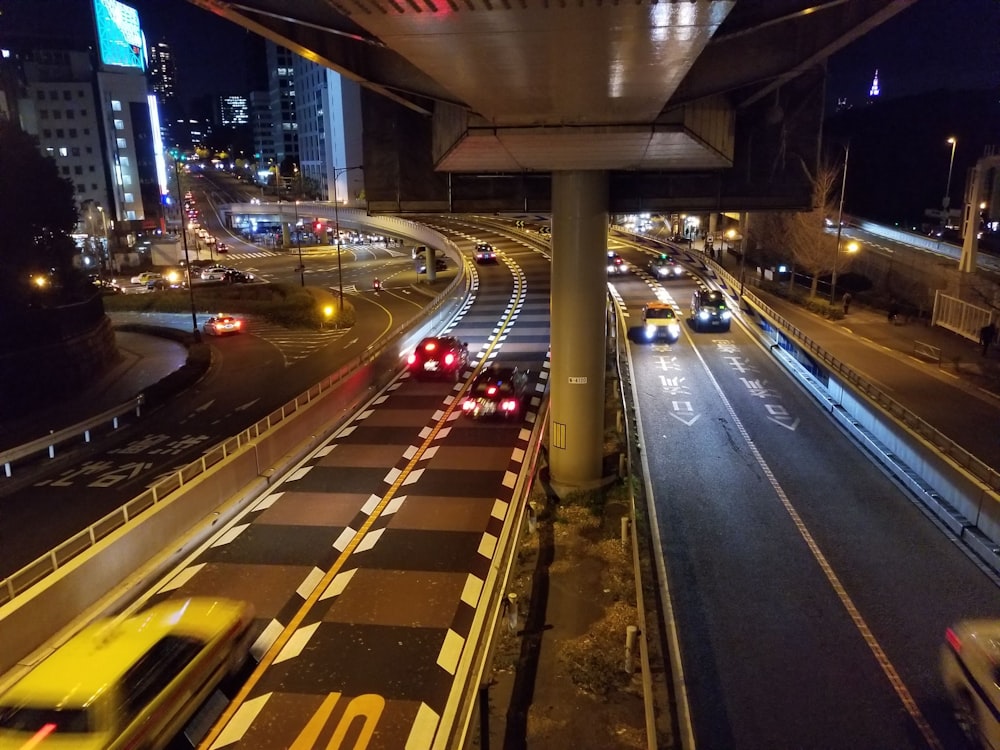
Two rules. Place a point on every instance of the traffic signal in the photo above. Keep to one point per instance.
(318, 226)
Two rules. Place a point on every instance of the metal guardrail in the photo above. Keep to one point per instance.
(620, 330)
(941, 442)
(49, 442)
(47, 564)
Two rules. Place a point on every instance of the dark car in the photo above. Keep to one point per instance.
(664, 268)
(710, 310)
(421, 263)
(233, 276)
(485, 253)
(439, 356)
(497, 391)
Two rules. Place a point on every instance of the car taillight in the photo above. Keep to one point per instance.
(430, 346)
(449, 358)
(237, 323)
(953, 640)
(491, 391)
(411, 359)
(509, 404)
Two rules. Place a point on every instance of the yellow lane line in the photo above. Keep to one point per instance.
(341, 560)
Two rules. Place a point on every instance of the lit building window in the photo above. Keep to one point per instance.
(119, 124)
(116, 106)
(120, 142)
(63, 151)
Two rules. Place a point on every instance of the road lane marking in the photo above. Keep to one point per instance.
(881, 658)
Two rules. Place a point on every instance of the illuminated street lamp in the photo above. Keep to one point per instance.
(946, 201)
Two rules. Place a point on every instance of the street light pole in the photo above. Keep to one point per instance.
(840, 226)
(336, 220)
(946, 201)
(195, 334)
(298, 243)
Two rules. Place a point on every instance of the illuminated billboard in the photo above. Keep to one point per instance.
(119, 36)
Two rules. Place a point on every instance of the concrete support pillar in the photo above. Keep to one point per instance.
(578, 304)
(713, 223)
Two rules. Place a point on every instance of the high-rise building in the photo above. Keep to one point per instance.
(262, 127)
(328, 112)
(281, 86)
(234, 111)
(163, 73)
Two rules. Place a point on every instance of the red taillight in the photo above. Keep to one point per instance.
(953, 640)
(430, 346)
(449, 358)
(411, 359)
(509, 405)
(237, 323)
(469, 404)
(491, 391)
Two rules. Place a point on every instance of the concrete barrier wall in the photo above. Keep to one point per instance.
(960, 500)
(159, 538)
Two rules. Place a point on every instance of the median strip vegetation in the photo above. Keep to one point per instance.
(287, 305)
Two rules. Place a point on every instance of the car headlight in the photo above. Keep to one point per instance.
(650, 330)
(611, 267)
(726, 315)
(703, 314)
(661, 272)
(675, 330)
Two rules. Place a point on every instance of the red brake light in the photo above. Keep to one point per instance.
(430, 346)
(953, 640)
(449, 358)
(411, 359)
(509, 405)
(491, 391)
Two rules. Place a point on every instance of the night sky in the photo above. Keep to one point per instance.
(934, 44)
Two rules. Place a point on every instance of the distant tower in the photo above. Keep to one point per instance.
(874, 92)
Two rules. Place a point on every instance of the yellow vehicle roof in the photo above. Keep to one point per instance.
(96, 657)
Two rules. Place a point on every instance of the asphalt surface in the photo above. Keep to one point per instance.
(771, 580)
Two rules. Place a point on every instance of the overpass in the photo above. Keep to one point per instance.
(579, 110)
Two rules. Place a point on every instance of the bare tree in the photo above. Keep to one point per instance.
(803, 234)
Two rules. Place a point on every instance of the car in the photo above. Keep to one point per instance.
(220, 324)
(171, 279)
(485, 253)
(616, 264)
(660, 322)
(421, 263)
(439, 356)
(145, 277)
(970, 669)
(497, 391)
(663, 267)
(214, 273)
(709, 310)
(232, 276)
(133, 681)
(221, 247)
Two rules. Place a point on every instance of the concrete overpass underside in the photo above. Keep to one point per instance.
(578, 108)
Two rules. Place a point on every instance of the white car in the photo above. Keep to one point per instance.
(214, 273)
(970, 668)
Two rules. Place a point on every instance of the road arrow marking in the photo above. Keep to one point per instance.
(204, 406)
(688, 422)
(781, 420)
(247, 405)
